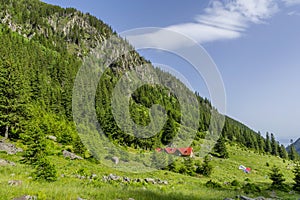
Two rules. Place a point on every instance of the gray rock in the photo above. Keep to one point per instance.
(126, 179)
(26, 197)
(93, 176)
(14, 182)
(115, 159)
(78, 198)
(6, 162)
(9, 148)
(70, 155)
(260, 198)
(228, 199)
(51, 137)
(130, 199)
(150, 180)
(113, 177)
(245, 198)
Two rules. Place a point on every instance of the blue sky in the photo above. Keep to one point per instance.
(254, 43)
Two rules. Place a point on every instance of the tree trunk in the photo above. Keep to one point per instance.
(6, 132)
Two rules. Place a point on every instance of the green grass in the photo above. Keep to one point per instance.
(180, 187)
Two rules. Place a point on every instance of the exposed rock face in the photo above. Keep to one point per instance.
(70, 155)
(9, 148)
(6, 162)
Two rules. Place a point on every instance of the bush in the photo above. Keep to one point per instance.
(235, 183)
(212, 184)
(251, 188)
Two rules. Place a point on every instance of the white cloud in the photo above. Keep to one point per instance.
(219, 21)
(291, 2)
(293, 13)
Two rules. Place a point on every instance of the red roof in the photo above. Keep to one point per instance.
(183, 151)
(170, 150)
(186, 151)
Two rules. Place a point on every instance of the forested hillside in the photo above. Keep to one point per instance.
(42, 48)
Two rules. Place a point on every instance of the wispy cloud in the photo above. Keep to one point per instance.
(293, 13)
(291, 2)
(221, 20)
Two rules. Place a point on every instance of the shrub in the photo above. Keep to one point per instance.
(212, 184)
(251, 188)
(235, 183)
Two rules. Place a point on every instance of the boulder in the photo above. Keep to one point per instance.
(6, 162)
(115, 160)
(70, 155)
(9, 148)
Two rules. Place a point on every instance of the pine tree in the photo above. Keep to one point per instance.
(206, 168)
(296, 171)
(274, 145)
(268, 144)
(220, 148)
(293, 155)
(283, 153)
(277, 178)
(36, 152)
(13, 98)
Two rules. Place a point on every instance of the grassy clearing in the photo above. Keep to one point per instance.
(180, 187)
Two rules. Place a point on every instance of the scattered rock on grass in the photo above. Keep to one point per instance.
(115, 160)
(6, 162)
(70, 155)
(14, 182)
(9, 148)
(26, 197)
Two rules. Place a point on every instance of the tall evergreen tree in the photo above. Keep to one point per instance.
(220, 148)
(14, 94)
(274, 145)
(277, 178)
(268, 147)
(296, 171)
(293, 155)
(283, 153)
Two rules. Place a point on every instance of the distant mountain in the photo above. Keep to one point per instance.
(296, 145)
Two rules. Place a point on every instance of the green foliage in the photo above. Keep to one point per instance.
(251, 188)
(296, 171)
(293, 155)
(220, 148)
(44, 170)
(277, 178)
(213, 184)
(206, 168)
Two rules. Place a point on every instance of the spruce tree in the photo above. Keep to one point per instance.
(274, 145)
(268, 147)
(296, 171)
(36, 152)
(220, 148)
(14, 94)
(293, 155)
(283, 153)
(277, 178)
